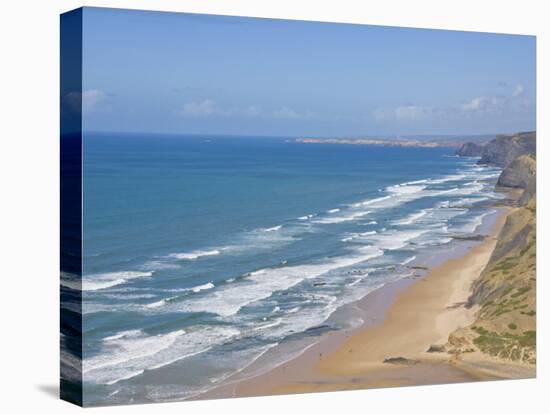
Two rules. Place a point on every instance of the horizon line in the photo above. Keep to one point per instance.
(333, 136)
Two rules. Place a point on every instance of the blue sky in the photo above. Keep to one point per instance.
(185, 73)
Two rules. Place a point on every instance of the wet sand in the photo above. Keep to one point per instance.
(406, 318)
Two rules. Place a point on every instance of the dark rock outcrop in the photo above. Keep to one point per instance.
(504, 149)
(470, 149)
(401, 361)
(436, 348)
(519, 173)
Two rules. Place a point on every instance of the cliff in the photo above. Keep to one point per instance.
(470, 149)
(519, 173)
(505, 293)
(504, 149)
(530, 192)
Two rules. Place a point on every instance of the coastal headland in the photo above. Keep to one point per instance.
(469, 318)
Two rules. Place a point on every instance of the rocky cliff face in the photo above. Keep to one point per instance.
(470, 149)
(505, 325)
(529, 193)
(506, 148)
(519, 173)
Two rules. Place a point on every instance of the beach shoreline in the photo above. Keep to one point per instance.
(390, 348)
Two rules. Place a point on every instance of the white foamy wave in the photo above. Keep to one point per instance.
(194, 255)
(325, 305)
(355, 282)
(350, 216)
(159, 303)
(133, 332)
(71, 281)
(206, 286)
(134, 344)
(471, 225)
(304, 319)
(406, 261)
(393, 240)
(305, 217)
(453, 177)
(268, 325)
(229, 299)
(159, 265)
(398, 194)
(443, 192)
(275, 228)
(252, 355)
(353, 236)
(405, 189)
(488, 176)
(334, 210)
(416, 182)
(412, 218)
(445, 212)
(470, 189)
(130, 353)
(261, 239)
(100, 281)
(166, 301)
(127, 296)
(466, 201)
(369, 202)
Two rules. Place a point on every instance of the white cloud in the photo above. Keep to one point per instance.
(203, 108)
(91, 99)
(494, 104)
(87, 101)
(518, 91)
(478, 106)
(490, 104)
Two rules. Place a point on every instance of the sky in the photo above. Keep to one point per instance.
(205, 74)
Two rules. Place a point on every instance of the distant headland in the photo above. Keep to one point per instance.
(409, 141)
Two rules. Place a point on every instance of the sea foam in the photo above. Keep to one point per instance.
(412, 218)
(194, 255)
(101, 281)
(130, 353)
(229, 299)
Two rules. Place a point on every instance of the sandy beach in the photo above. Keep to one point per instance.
(391, 350)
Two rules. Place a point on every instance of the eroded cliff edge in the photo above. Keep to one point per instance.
(502, 150)
(504, 331)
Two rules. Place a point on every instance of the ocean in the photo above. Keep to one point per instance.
(203, 253)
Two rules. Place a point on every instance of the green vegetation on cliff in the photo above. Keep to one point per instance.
(505, 325)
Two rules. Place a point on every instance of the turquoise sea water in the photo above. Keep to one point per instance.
(201, 253)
